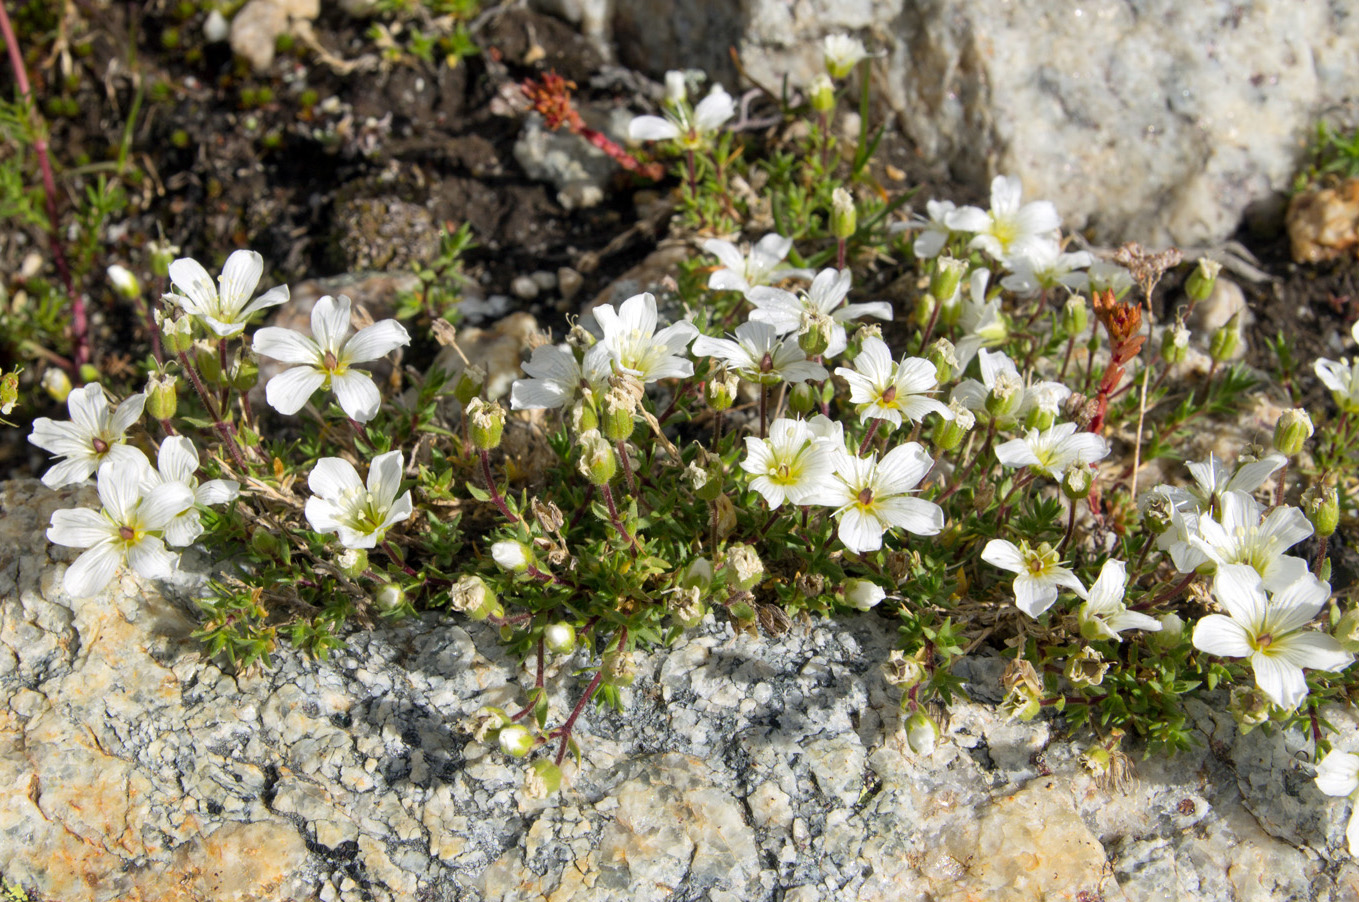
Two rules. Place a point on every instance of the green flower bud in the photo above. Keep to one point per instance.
(162, 398)
(1087, 668)
(1346, 632)
(1005, 396)
(863, 595)
(1321, 505)
(389, 597)
(815, 333)
(515, 740)
(619, 668)
(1202, 280)
(177, 334)
(822, 93)
(124, 282)
(1077, 482)
(598, 463)
(245, 374)
(745, 566)
(1249, 707)
(542, 779)
(949, 434)
(948, 275)
(353, 562)
(803, 398)
(485, 423)
(1226, 341)
(721, 390)
(162, 255)
(844, 218)
(9, 391)
(1040, 419)
(1292, 430)
(88, 373)
(698, 575)
(583, 417)
(56, 383)
(265, 543)
(1171, 634)
(1175, 343)
(921, 733)
(207, 361)
(924, 309)
(468, 384)
(945, 359)
(560, 638)
(1075, 316)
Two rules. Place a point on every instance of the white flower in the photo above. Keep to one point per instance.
(871, 497)
(842, 53)
(94, 435)
(891, 391)
(935, 228)
(863, 595)
(126, 531)
(1000, 375)
(1342, 378)
(792, 464)
(757, 355)
(1053, 451)
(1009, 227)
(1042, 265)
(692, 128)
(513, 556)
(635, 345)
(1245, 534)
(341, 504)
(1040, 573)
(326, 359)
(977, 319)
(1212, 479)
(223, 309)
(1104, 615)
(785, 311)
(1271, 632)
(557, 378)
(761, 267)
(177, 463)
(1101, 276)
(1338, 775)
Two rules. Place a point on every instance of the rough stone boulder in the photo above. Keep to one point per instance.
(1153, 120)
(744, 769)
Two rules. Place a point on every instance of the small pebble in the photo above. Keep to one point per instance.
(568, 282)
(524, 288)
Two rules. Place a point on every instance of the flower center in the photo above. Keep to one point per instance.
(766, 362)
(127, 533)
(100, 446)
(330, 362)
(865, 496)
(889, 395)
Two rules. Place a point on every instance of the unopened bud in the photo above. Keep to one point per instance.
(469, 383)
(560, 638)
(208, 363)
(245, 374)
(1202, 280)
(948, 275)
(1292, 430)
(1040, 418)
(515, 740)
(9, 391)
(844, 219)
(1346, 632)
(124, 282)
(722, 516)
(516, 557)
(863, 595)
(56, 383)
(924, 309)
(88, 373)
(803, 398)
(822, 92)
(721, 390)
(598, 463)
(177, 334)
(921, 733)
(1175, 343)
(1321, 505)
(389, 597)
(949, 434)
(1005, 396)
(698, 575)
(1226, 341)
(617, 423)
(1171, 634)
(265, 543)
(676, 89)
(162, 254)
(1075, 316)
(944, 356)
(353, 562)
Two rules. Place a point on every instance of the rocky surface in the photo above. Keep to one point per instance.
(1155, 121)
(742, 769)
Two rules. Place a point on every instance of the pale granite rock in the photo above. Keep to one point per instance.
(745, 769)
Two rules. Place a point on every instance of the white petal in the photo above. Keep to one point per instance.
(1352, 828)
(272, 298)
(183, 530)
(1003, 554)
(151, 560)
(163, 503)
(651, 128)
(120, 488)
(129, 412)
(178, 459)
(189, 276)
(860, 532)
(1312, 650)
(1338, 773)
(286, 345)
(79, 528)
(70, 472)
(1280, 680)
(240, 274)
(92, 571)
(333, 477)
(1106, 595)
(1238, 588)
(290, 390)
(217, 491)
(902, 468)
(323, 515)
(714, 110)
(728, 254)
(330, 322)
(1034, 596)
(384, 477)
(358, 396)
(1222, 636)
(915, 515)
(376, 341)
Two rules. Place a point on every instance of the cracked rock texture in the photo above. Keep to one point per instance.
(1153, 120)
(744, 769)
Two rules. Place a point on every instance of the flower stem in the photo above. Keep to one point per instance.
(627, 467)
(223, 430)
(566, 728)
(1321, 555)
(764, 409)
(617, 521)
(868, 438)
(396, 559)
(1070, 527)
(494, 490)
